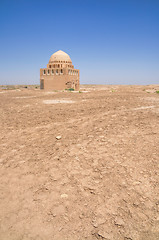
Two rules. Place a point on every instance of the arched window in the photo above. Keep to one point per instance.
(48, 72)
(44, 72)
(58, 65)
(61, 71)
(52, 72)
(56, 71)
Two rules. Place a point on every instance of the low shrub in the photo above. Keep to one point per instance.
(70, 89)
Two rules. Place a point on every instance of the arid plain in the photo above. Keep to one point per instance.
(79, 165)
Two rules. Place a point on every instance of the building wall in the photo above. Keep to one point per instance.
(61, 81)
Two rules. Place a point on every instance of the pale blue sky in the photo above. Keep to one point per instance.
(110, 41)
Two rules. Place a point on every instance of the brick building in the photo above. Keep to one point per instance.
(59, 73)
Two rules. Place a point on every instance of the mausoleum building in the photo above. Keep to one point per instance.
(59, 73)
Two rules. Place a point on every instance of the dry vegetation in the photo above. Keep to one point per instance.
(79, 165)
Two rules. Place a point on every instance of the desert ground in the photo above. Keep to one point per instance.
(79, 165)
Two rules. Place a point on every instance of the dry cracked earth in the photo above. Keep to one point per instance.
(79, 165)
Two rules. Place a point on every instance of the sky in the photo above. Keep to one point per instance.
(110, 41)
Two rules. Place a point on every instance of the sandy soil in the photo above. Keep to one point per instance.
(86, 167)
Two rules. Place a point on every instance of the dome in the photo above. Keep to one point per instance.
(60, 56)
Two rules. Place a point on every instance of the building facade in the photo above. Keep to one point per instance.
(59, 73)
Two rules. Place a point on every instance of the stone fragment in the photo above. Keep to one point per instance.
(64, 195)
(58, 137)
(104, 235)
(119, 221)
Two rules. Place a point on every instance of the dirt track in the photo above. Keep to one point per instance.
(99, 180)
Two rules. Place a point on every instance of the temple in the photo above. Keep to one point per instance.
(59, 73)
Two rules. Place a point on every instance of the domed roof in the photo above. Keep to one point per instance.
(60, 56)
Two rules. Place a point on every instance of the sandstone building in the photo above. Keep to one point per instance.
(59, 73)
